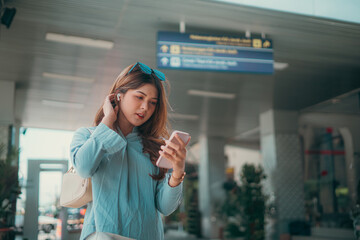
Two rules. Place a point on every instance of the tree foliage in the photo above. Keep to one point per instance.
(244, 206)
(9, 183)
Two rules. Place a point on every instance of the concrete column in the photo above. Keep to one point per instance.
(15, 131)
(7, 103)
(4, 139)
(32, 201)
(281, 151)
(350, 164)
(211, 179)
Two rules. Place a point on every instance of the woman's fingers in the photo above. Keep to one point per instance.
(181, 142)
(175, 159)
(109, 109)
(110, 112)
(169, 150)
(173, 145)
(168, 156)
(107, 101)
(179, 145)
(174, 153)
(188, 141)
(108, 97)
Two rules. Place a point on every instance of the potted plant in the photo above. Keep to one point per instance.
(9, 186)
(355, 214)
(243, 210)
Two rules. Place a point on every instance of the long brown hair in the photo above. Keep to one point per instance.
(153, 130)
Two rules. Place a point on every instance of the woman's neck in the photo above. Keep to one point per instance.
(125, 129)
(125, 126)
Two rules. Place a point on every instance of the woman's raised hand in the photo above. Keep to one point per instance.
(110, 113)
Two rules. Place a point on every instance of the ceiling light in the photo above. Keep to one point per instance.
(52, 103)
(280, 65)
(67, 77)
(183, 116)
(79, 41)
(211, 94)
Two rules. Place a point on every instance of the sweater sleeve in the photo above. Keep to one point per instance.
(168, 198)
(87, 150)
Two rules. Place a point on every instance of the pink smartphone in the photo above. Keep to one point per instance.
(162, 161)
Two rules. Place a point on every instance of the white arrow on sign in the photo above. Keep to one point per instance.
(164, 61)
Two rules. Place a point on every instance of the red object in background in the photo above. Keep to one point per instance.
(6, 229)
(58, 229)
(83, 211)
(324, 173)
(329, 130)
(324, 152)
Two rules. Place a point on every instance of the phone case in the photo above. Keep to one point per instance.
(164, 162)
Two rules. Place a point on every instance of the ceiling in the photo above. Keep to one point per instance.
(323, 57)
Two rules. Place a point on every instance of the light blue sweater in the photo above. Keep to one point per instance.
(126, 200)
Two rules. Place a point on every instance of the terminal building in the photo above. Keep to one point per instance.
(269, 84)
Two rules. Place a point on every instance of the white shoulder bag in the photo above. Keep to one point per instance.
(75, 190)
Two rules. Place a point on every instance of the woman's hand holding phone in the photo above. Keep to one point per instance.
(110, 112)
(175, 152)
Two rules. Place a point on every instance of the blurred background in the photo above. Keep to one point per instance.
(269, 91)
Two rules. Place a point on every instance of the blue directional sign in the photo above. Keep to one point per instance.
(214, 53)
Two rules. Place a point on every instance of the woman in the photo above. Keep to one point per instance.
(119, 154)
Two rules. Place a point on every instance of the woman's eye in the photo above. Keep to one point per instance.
(153, 103)
(139, 97)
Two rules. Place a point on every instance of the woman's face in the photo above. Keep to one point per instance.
(138, 105)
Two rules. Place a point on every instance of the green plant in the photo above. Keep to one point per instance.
(243, 210)
(253, 202)
(232, 230)
(9, 184)
(192, 216)
(193, 223)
